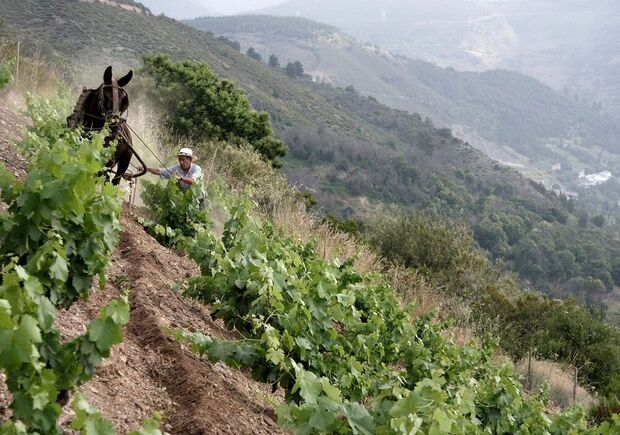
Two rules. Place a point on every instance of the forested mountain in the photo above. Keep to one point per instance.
(570, 45)
(511, 117)
(357, 154)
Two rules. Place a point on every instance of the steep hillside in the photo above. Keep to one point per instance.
(356, 154)
(511, 117)
(312, 117)
(150, 371)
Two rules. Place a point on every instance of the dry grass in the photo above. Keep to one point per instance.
(560, 381)
(35, 73)
(244, 170)
(413, 287)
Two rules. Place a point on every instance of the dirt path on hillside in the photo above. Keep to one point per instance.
(150, 371)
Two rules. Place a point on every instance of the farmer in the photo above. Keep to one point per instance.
(185, 172)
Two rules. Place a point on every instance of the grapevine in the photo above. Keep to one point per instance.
(349, 358)
(56, 235)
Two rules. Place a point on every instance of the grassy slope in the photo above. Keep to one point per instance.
(349, 147)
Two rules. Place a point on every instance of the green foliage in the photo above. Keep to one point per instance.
(444, 252)
(198, 105)
(233, 44)
(177, 213)
(56, 235)
(274, 61)
(5, 75)
(349, 358)
(349, 226)
(294, 69)
(253, 54)
(598, 220)
(557, 330)
(552, 329)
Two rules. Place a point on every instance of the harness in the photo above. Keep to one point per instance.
(113, 117)
(77, 117)
(113, 114)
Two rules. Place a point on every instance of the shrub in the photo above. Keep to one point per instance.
(198, 105)
(176, 212)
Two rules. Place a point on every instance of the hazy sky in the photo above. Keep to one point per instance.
(237, 6)
(193, 8)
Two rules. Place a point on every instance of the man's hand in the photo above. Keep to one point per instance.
(128, 175)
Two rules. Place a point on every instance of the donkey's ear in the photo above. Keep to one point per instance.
(124, 80)
(107, 76)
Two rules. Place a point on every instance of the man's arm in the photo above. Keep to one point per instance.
(195, 174)
(186, 180)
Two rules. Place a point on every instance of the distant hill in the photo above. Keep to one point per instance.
(568, 44)
(511, 117)
(357, 155)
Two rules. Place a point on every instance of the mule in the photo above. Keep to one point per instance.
(105, 105)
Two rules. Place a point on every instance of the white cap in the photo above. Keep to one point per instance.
(186, 152)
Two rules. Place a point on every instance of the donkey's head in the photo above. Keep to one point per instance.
(112, 98)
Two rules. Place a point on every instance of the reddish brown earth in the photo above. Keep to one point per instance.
(150, 371)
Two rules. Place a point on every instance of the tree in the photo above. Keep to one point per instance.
(5, 75)
(295, 69)
(254, 54)
(599, 220)
(274, 61)
(198, 105)
(233, 44)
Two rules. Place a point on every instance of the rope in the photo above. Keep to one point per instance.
(134, 133)
(144, 143)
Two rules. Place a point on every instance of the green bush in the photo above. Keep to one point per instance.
(177, 213)
(198, 105)
(444, 252)
(5, 75)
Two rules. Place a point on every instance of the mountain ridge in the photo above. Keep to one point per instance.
(501, 107)
(524, 35)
